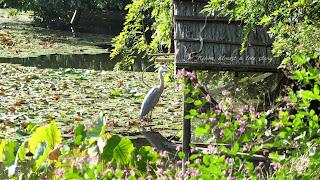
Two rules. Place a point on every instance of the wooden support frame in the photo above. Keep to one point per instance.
(186, 136)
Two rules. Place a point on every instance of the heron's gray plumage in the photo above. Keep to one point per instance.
(153, 96)
(150, 101)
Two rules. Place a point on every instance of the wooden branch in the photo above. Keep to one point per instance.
(164, 60)
(203, 91)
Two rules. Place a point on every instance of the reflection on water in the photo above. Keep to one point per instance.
(55, 61)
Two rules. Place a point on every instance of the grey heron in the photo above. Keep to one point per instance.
(153, 96)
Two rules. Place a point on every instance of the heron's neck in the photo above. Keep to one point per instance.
(161, 81)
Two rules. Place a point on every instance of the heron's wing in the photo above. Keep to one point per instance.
(150, 100)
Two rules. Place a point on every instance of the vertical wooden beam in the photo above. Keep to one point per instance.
(186, 137)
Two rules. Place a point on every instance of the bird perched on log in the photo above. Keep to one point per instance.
(153, 96)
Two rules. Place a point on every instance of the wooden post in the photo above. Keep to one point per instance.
(186, 137)
(74, 20)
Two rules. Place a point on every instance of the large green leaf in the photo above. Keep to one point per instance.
(80, 134)
(202, 130)
(122, 153)
(9, 151)
(118, 149)
(147, 154)
(112, 143)
(2, 144)
(49, 136)
(99, 128)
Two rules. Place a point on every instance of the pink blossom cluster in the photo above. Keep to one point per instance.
(185, 73)
(276, 166)
(79, 162)
(242, 126)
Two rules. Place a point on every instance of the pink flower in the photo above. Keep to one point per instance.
(210, 150)
(197, 85)
(291, 105)
(231, 178)
(212, 120)
(178, 163)
(242, 123)
(276, 166)
(229, 160)
(193, 172)
(241, 111)
(179, 87)
(181, 73)
(252, 109)
(160, 163)
(164, 154)
(148, 169)
(179, 147)
(208, 97)
(221, 133)
(198, 161)
(132, 172)
(225, 92)
(241, 130)
(205, 121)
(285, 98)
(259, 175)
(227, 113)
(191, 75)
(59, 172)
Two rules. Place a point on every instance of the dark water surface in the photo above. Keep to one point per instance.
(55, 61)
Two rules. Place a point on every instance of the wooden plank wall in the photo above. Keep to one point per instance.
(221, 42)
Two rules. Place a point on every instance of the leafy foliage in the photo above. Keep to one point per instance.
(60, 11)
(147, 29)
(289, 130)
(115, 158)
(43, 141)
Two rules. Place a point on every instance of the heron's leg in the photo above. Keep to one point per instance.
(150, 115)
(150, 120)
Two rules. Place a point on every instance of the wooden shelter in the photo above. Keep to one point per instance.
(205, 41)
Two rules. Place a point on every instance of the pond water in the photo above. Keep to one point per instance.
(56, 61)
